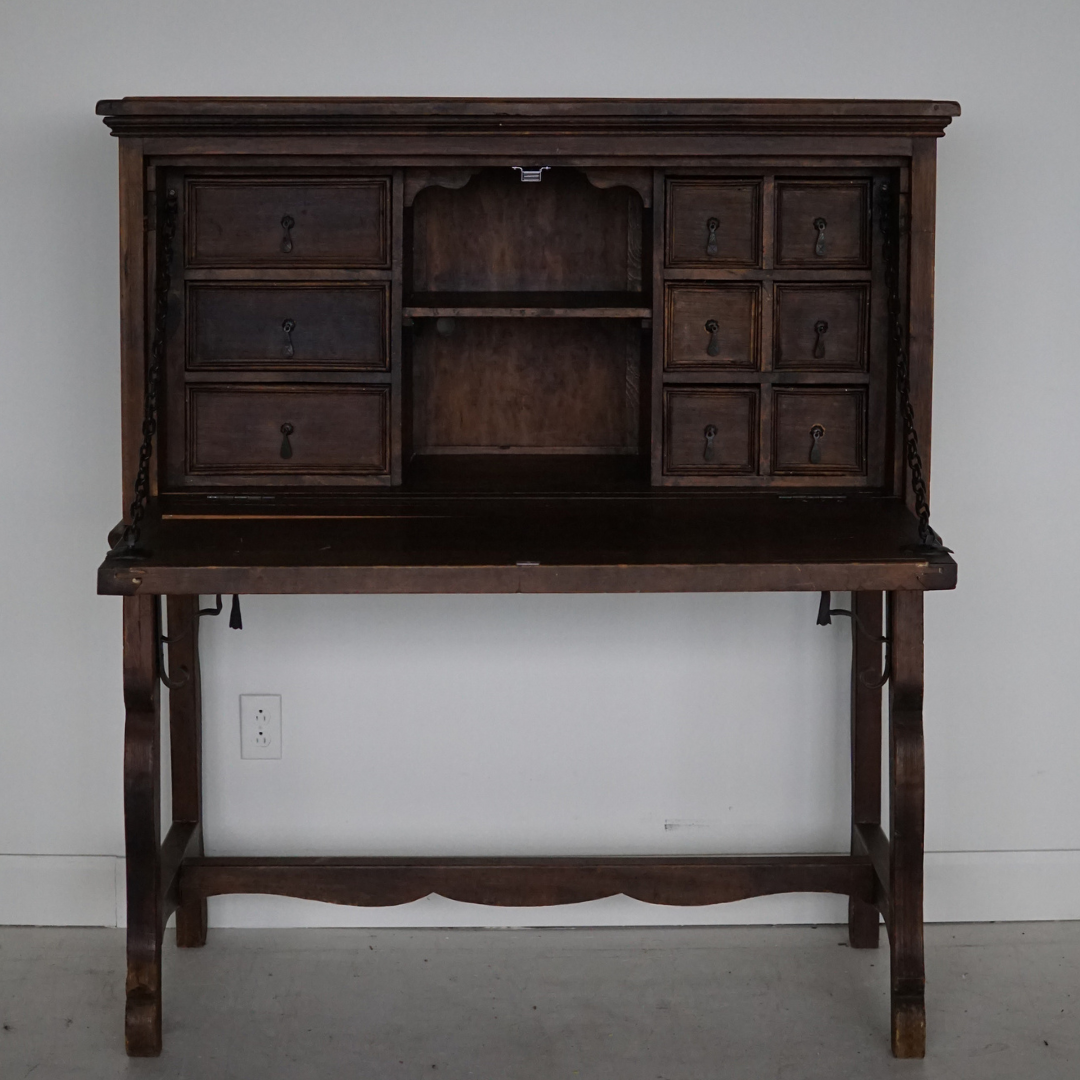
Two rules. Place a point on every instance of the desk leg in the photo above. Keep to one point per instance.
(142, 827)
(906, 803)
(863, 918)
(185, 731)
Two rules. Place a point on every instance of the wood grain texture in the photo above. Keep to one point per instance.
(906, 824)
(185, 744)
(512, 882)
(866, 660)
(142, 827)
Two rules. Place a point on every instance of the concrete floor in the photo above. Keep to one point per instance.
(608, 1004)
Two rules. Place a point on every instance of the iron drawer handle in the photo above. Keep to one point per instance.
(710, 435)
(286, 241)
(710, 246)
(819, 342)
(819, 247)
(287, 327)
(817, 433)
(713, 328)
(286, 446)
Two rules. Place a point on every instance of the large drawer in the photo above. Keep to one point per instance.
(710, 431)
(252, 222)
(712, 326)
(713, 223)
(288, 326)
(819, 431)
(260, 430)
(823, 223)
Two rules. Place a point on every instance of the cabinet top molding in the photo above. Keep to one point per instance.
(161, 116)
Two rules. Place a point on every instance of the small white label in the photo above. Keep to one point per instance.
(260, 725)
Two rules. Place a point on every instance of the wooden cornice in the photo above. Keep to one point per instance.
(203, 116)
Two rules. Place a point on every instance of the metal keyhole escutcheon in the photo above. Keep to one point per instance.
(713, 329)
(819, 247)
(817, 433)
(286, 446)
(286, 241)
(710, 245)
(710, 435)
(819, 341)
(287, 327)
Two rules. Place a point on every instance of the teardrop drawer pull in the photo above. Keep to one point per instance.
(288, 326)
(817, 433)
(286, 446)
(710, 245)
(710, 435)
(713, 328)
(819, 247)
(819, 341)
(286, 241)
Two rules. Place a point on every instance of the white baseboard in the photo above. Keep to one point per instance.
(967, 886)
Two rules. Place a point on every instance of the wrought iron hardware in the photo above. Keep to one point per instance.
(820, 327)
(819, 246)
(163, 640)
(286, 446)
(713, 328)
(235, 622)
(817, 433)
(824, 618)
(287, 224)
(287, 327)
(710, 434)
(533, 175)
(710, 244)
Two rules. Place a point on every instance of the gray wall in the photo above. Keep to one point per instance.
(549, 724)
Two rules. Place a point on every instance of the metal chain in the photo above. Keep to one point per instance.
(129, 540)
(890, 233)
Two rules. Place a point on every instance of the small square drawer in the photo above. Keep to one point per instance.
(288, 326)
(712, 326)
(710, 430)
(288, 223)
(714, 223)
(260, 430)
(819, 431)
(821, 327)
(823, 223)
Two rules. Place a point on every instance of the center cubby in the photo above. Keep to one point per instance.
(528, 313)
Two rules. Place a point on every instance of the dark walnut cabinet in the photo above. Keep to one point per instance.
(404, 345)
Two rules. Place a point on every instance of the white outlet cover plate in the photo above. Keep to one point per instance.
(260, 725)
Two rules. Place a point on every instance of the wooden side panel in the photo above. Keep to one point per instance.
(133, 293)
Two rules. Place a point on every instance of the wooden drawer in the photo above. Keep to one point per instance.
(288, 326)
(819, 431)
(712, 326)
(288, 222)
(714, 223)
(821, 327)
(710, 431)
(823, 223)
(288, 430)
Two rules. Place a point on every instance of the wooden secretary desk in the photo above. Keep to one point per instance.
(376, 345)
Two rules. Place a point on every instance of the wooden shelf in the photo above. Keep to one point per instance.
(527, 305)
(654, 541)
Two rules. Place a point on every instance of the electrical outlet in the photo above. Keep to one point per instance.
(260, 725)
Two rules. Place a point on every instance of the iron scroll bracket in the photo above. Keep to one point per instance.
(824, 618)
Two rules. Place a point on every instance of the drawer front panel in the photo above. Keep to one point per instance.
(819, 432)
(714, 223)
(823, 223)
(283, 430)
(714, 326)
(821, 327)
(288, 223)
(288, 326)
(710, 431)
